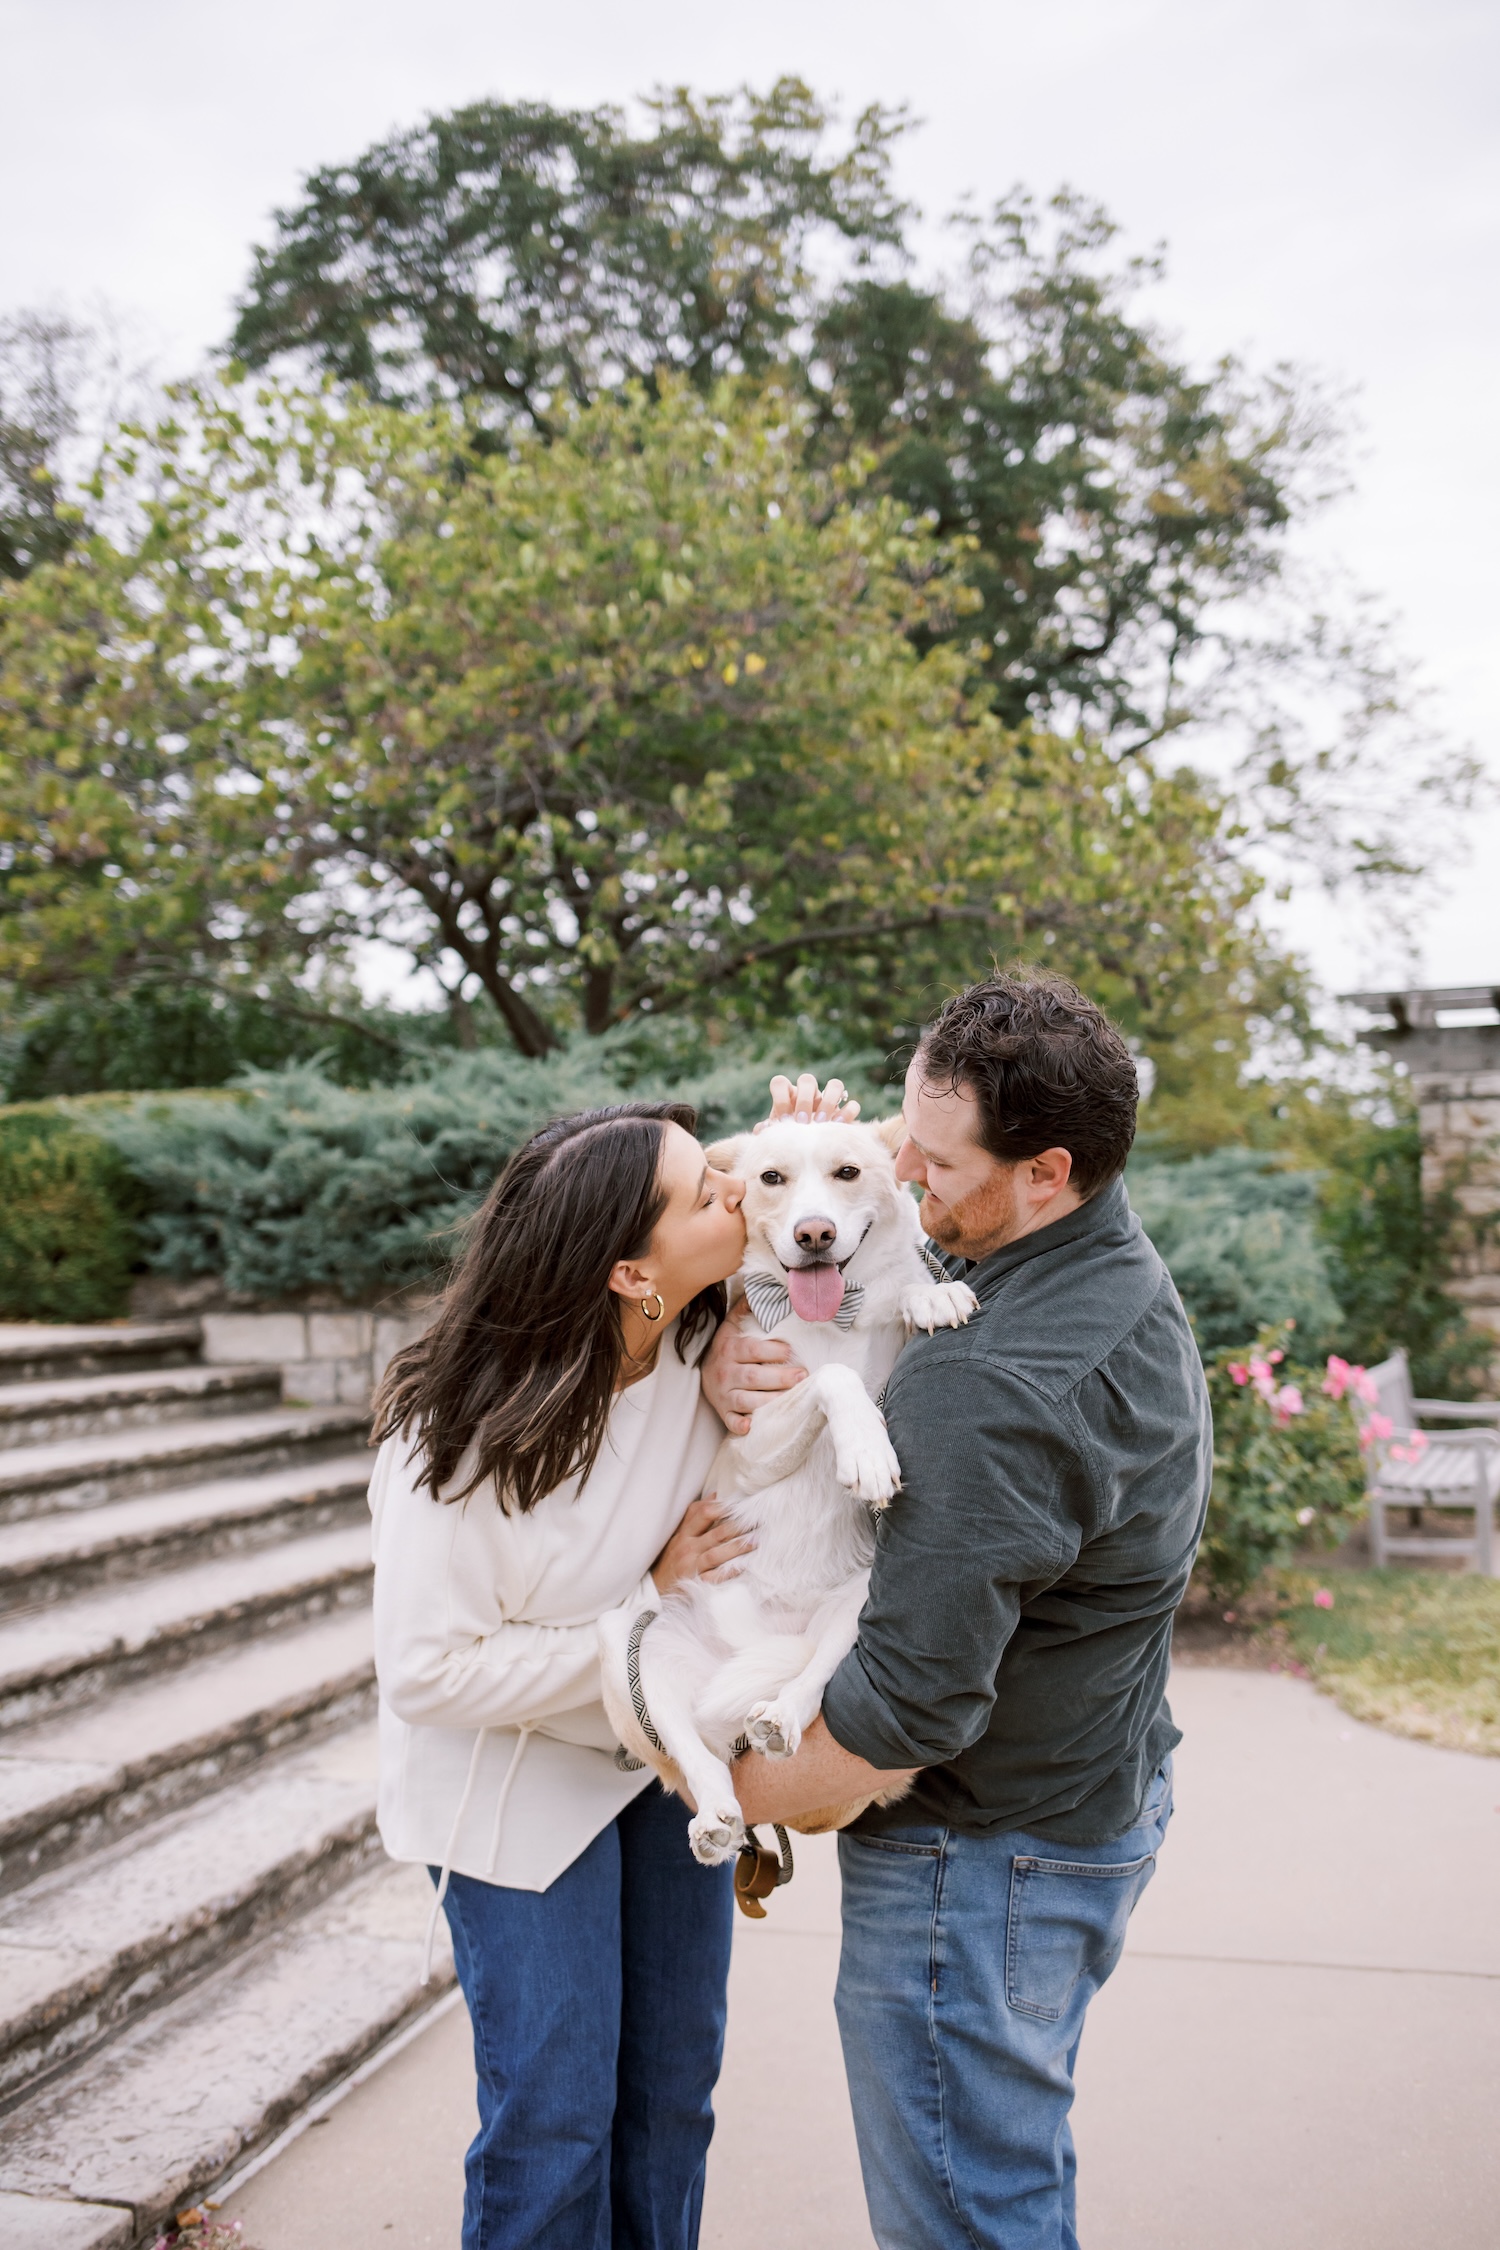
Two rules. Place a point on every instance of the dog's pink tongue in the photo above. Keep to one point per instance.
(816, 1291)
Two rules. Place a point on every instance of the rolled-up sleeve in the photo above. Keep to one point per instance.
(988, 1509)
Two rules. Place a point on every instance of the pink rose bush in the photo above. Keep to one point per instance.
(1288, 1466)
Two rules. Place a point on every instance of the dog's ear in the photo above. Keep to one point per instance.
(724, 1156)
(892, 1130)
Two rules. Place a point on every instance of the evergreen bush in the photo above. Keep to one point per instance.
(68, 1236)
(156, 1036)
(1240, 1237)
(298, 1184)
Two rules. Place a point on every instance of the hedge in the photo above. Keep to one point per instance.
(1240, 1236)
(68, 1232)
(288, 1182)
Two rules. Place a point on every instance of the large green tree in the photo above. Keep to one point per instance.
(651, 717)
(532, 256)
(1130, 512)
(40, 371)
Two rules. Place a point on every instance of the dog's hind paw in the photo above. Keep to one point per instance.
(715, 1835)
(773, 1731)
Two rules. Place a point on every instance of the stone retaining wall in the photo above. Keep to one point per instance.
(1448, 1040)
(326, 1358)
(1460, 1113)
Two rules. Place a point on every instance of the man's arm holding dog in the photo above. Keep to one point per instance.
(822, 1773)
(988, 1512)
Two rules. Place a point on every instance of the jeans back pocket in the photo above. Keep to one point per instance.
(1066, 1921)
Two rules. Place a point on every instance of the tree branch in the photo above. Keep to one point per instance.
(845, 933)
(289, 1008)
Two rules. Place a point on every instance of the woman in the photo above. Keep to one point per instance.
(543, 1447)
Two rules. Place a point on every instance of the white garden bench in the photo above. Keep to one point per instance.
(1452, 1468)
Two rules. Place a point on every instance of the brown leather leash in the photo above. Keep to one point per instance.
(757, 1872)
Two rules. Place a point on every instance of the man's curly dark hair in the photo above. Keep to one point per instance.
(1047, 1068)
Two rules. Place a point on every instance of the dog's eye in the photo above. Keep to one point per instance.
(847, 1172)
(772, 1179)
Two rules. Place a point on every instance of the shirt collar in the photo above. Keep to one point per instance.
(1107, 1212)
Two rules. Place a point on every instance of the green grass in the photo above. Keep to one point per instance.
(1415, 1651)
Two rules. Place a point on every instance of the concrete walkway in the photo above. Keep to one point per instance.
(1300, 2051)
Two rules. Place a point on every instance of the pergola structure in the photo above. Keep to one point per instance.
(1448, 1040)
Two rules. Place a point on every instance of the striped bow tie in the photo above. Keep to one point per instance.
(771, 1304)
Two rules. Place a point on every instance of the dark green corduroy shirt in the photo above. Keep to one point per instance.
(1055, 1459)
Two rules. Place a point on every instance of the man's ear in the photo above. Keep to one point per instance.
(724, 1156)
(892, 1131)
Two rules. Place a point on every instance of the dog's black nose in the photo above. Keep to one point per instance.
(817, 1235)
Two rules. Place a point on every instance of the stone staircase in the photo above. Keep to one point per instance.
(198, 1932)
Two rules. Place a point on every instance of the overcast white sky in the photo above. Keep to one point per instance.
(1325, 173)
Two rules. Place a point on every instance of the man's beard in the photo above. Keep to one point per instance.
(980, 1222)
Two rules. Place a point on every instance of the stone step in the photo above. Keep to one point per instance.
(44, 1413)
(35, 2222)
(51, 1558)
(77, 1783)
(85, 1951)
(101, 1641)
(86, 1472)
(36, 1350)
(159, 2116)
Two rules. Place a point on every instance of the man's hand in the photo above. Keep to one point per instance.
(704, 1545)
(742, 1368)
(822, 1773)
(804, 1105)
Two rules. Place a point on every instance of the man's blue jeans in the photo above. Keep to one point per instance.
(968, 1964)
(598, 2015)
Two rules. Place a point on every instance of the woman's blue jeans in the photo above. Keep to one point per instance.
(968, 1964)
(598, 2015)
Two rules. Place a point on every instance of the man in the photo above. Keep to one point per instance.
(1012, 1656)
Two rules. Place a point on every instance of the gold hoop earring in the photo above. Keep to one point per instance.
(661, 1306)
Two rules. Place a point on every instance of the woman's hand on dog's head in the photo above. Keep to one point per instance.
(805, 1105)
(704, 1545)
(742, 1369)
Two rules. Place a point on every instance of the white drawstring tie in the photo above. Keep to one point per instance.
(446, 1870)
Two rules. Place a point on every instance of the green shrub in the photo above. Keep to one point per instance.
(1288, 1469)
(156, 1036)
(1239, 1235)
(299, 1184)
(68, 1236)
(1392, 1251)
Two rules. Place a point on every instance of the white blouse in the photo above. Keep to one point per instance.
(496, 1757)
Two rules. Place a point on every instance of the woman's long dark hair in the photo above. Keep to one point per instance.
(523, 1358)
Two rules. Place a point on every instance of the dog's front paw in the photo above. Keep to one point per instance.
(938, 1304)
(774, 1731)
(716, 1834)
(866, 1465)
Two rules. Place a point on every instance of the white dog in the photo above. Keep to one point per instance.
(834, 1264)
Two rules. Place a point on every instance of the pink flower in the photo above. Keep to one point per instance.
(1260, 1370)
(1306, 1516)
(1288, 1401)
(1239, 1374)
(1379, 1426)
(1364, 1386)
(1414, 1448)
(1277, 1357)
(1322, 1599)
(1336, 1381)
